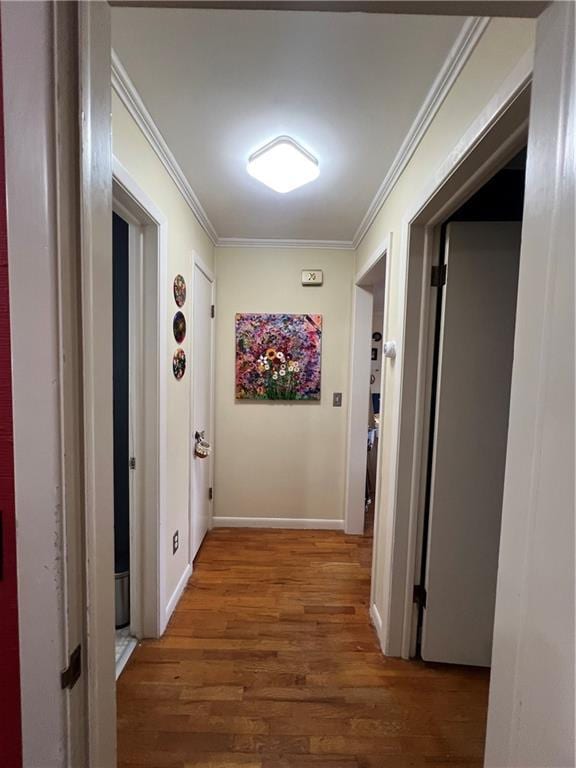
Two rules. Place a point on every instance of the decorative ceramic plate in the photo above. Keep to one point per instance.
(179, 364)
(179, 327)
(179, 290)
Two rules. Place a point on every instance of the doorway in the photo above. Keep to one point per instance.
(476, 282)
(126, 512)
(139, 440)
(366, 394)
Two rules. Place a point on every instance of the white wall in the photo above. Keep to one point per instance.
(503, 44)
(184, 236)
(531, 709)
(282, 460)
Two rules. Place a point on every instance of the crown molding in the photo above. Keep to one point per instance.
(131, 99)
(460, 52)
(248, 242)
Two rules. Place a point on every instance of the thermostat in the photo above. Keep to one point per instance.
(312, 277)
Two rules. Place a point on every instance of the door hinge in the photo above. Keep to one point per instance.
(71, 674)
(210, 494)
(438, 276)
(419, 595)
(132, 463)
(212, 311)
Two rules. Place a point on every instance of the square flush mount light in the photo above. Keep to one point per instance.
(283, 165)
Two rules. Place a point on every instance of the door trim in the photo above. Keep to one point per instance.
(358, 402)
(495, 137)
(148, 255)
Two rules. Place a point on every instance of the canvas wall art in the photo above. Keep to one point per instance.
(278, 357)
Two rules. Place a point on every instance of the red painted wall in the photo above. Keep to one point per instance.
(10, 720)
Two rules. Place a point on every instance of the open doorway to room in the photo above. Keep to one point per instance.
(138, 241)
(470, 369)
(125, 510)
(366, 395)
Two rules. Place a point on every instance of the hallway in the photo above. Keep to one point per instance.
(270, 661)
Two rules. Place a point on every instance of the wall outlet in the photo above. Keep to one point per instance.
(175, 543)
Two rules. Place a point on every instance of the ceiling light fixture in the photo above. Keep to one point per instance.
(283, 165)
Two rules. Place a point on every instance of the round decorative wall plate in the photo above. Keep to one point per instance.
(179, 290)
(179, 327)
(376, 336)
(179, 364)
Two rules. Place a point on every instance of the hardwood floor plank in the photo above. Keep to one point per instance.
(270, 661)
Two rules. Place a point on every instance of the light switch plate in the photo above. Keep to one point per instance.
(312, 277)
(337, 399)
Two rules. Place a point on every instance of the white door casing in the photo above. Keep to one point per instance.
(469, 454)
(148, 281)
(96, 279)
(358, 401)
(201, 410)
(531, 707)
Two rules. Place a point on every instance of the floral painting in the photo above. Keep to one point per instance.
(278, 357)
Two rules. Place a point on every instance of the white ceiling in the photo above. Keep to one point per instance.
(220, 84)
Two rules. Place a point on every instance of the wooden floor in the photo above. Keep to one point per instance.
(270, 661)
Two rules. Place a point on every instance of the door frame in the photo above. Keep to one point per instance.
(148, 258)
(499, 132)
(198, 263)
(359, 399)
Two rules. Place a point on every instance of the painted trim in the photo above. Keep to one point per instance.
(458, 56)
(131, 99)
(278, 522)
(378, 252)
(177, 594)
(358, 402)
(247, 242)
(96, 281)
(199, 262)
(515, 83)
(461, 51)
(127, 181)
(383, 408)
(146, 205)
(376, 620)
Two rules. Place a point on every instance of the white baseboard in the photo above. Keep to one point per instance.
(176, 595)
(377, 622)
(277, 522)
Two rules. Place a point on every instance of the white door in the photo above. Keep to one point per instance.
(200, 470)
(469, 455)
